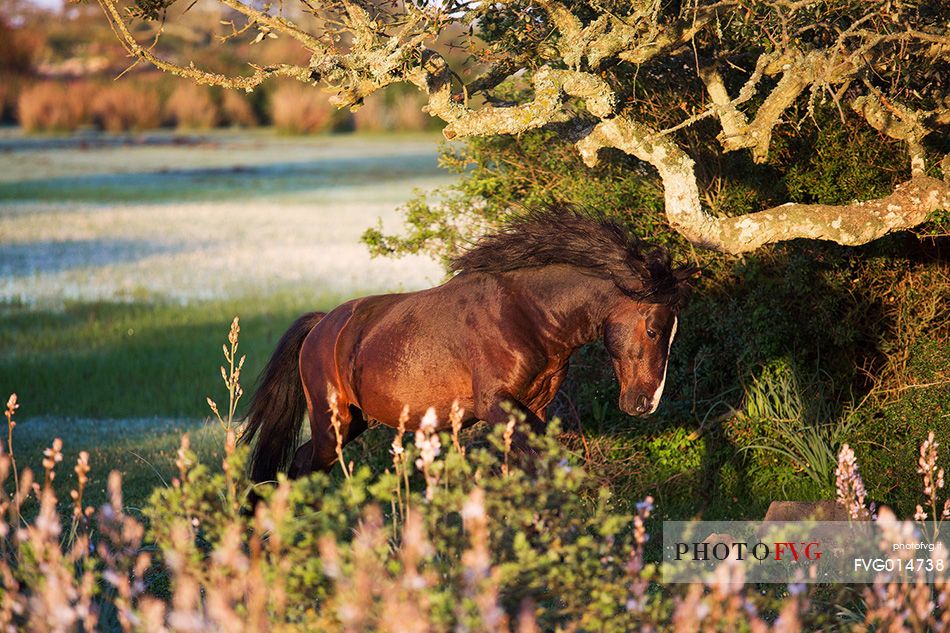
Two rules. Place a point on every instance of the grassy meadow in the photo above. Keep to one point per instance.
(124, 259)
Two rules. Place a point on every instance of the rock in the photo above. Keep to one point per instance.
(809, 510)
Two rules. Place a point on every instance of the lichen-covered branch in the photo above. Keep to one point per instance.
(799, 72)
(139, 53)
(551, 87)
(636, 37)
(898, 122)
(853, 224)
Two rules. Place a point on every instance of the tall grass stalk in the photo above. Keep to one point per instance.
(232, 381)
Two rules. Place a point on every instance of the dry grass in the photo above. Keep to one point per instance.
(298, 109)
(191, 107)
(403, 113)
(53, 106)
(136, 104)
(59, 106)
(237, 111)
(122, 107)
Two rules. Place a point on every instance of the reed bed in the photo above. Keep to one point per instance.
(192, 107)
(124, 108)
(51, 106)
(297, 109)
(141, 103)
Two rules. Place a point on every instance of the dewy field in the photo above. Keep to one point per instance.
(123, 259)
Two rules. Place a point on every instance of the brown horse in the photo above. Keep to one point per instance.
(501, 330)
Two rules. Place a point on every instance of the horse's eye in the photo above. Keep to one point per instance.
(651, 333)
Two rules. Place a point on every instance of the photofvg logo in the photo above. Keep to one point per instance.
(800, 551)
(722, 547)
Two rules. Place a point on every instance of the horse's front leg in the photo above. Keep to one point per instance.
(491, 408)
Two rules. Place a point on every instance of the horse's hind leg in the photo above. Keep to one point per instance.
(323, 441)
(302, 464)
(319, 452)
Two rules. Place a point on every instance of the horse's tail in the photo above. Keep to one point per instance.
(279, 405)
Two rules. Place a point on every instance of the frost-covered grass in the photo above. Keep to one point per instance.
(122, 260)
(220, 217)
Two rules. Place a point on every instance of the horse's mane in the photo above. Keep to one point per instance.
(566, 235)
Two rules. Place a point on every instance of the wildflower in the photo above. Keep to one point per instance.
(796, 588)
(919, 514)
(51, 457)
(82, 478)
(429, 421)
(456, 416)
(850, 486)
(508, 436)
(235, 330)
(427, 441)
(12, 405)
(644, 508)
(927, 466)
(429, 445)
(474, 507)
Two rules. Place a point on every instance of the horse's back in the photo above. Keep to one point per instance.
(383, 352)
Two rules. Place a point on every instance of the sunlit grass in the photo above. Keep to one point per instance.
(98, 359)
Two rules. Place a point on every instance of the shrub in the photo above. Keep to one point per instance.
(191, 107)
(297, 109)
(20, 48)
(53, 106)
(123, 107)
(236, 110)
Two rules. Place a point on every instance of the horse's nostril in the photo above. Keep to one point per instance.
(641, 402)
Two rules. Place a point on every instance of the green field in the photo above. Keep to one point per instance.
(123, 261)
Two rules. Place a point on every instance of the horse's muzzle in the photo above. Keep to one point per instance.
(635, 404)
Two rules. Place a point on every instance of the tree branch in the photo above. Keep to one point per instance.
(247, 83)
(853, 224)
(798, 73)
(550, 88)
(898, 122)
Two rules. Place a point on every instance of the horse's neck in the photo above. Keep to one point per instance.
(573, 304)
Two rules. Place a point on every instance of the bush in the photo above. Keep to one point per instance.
(123, 107)
(53, 106)
(191, 107)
